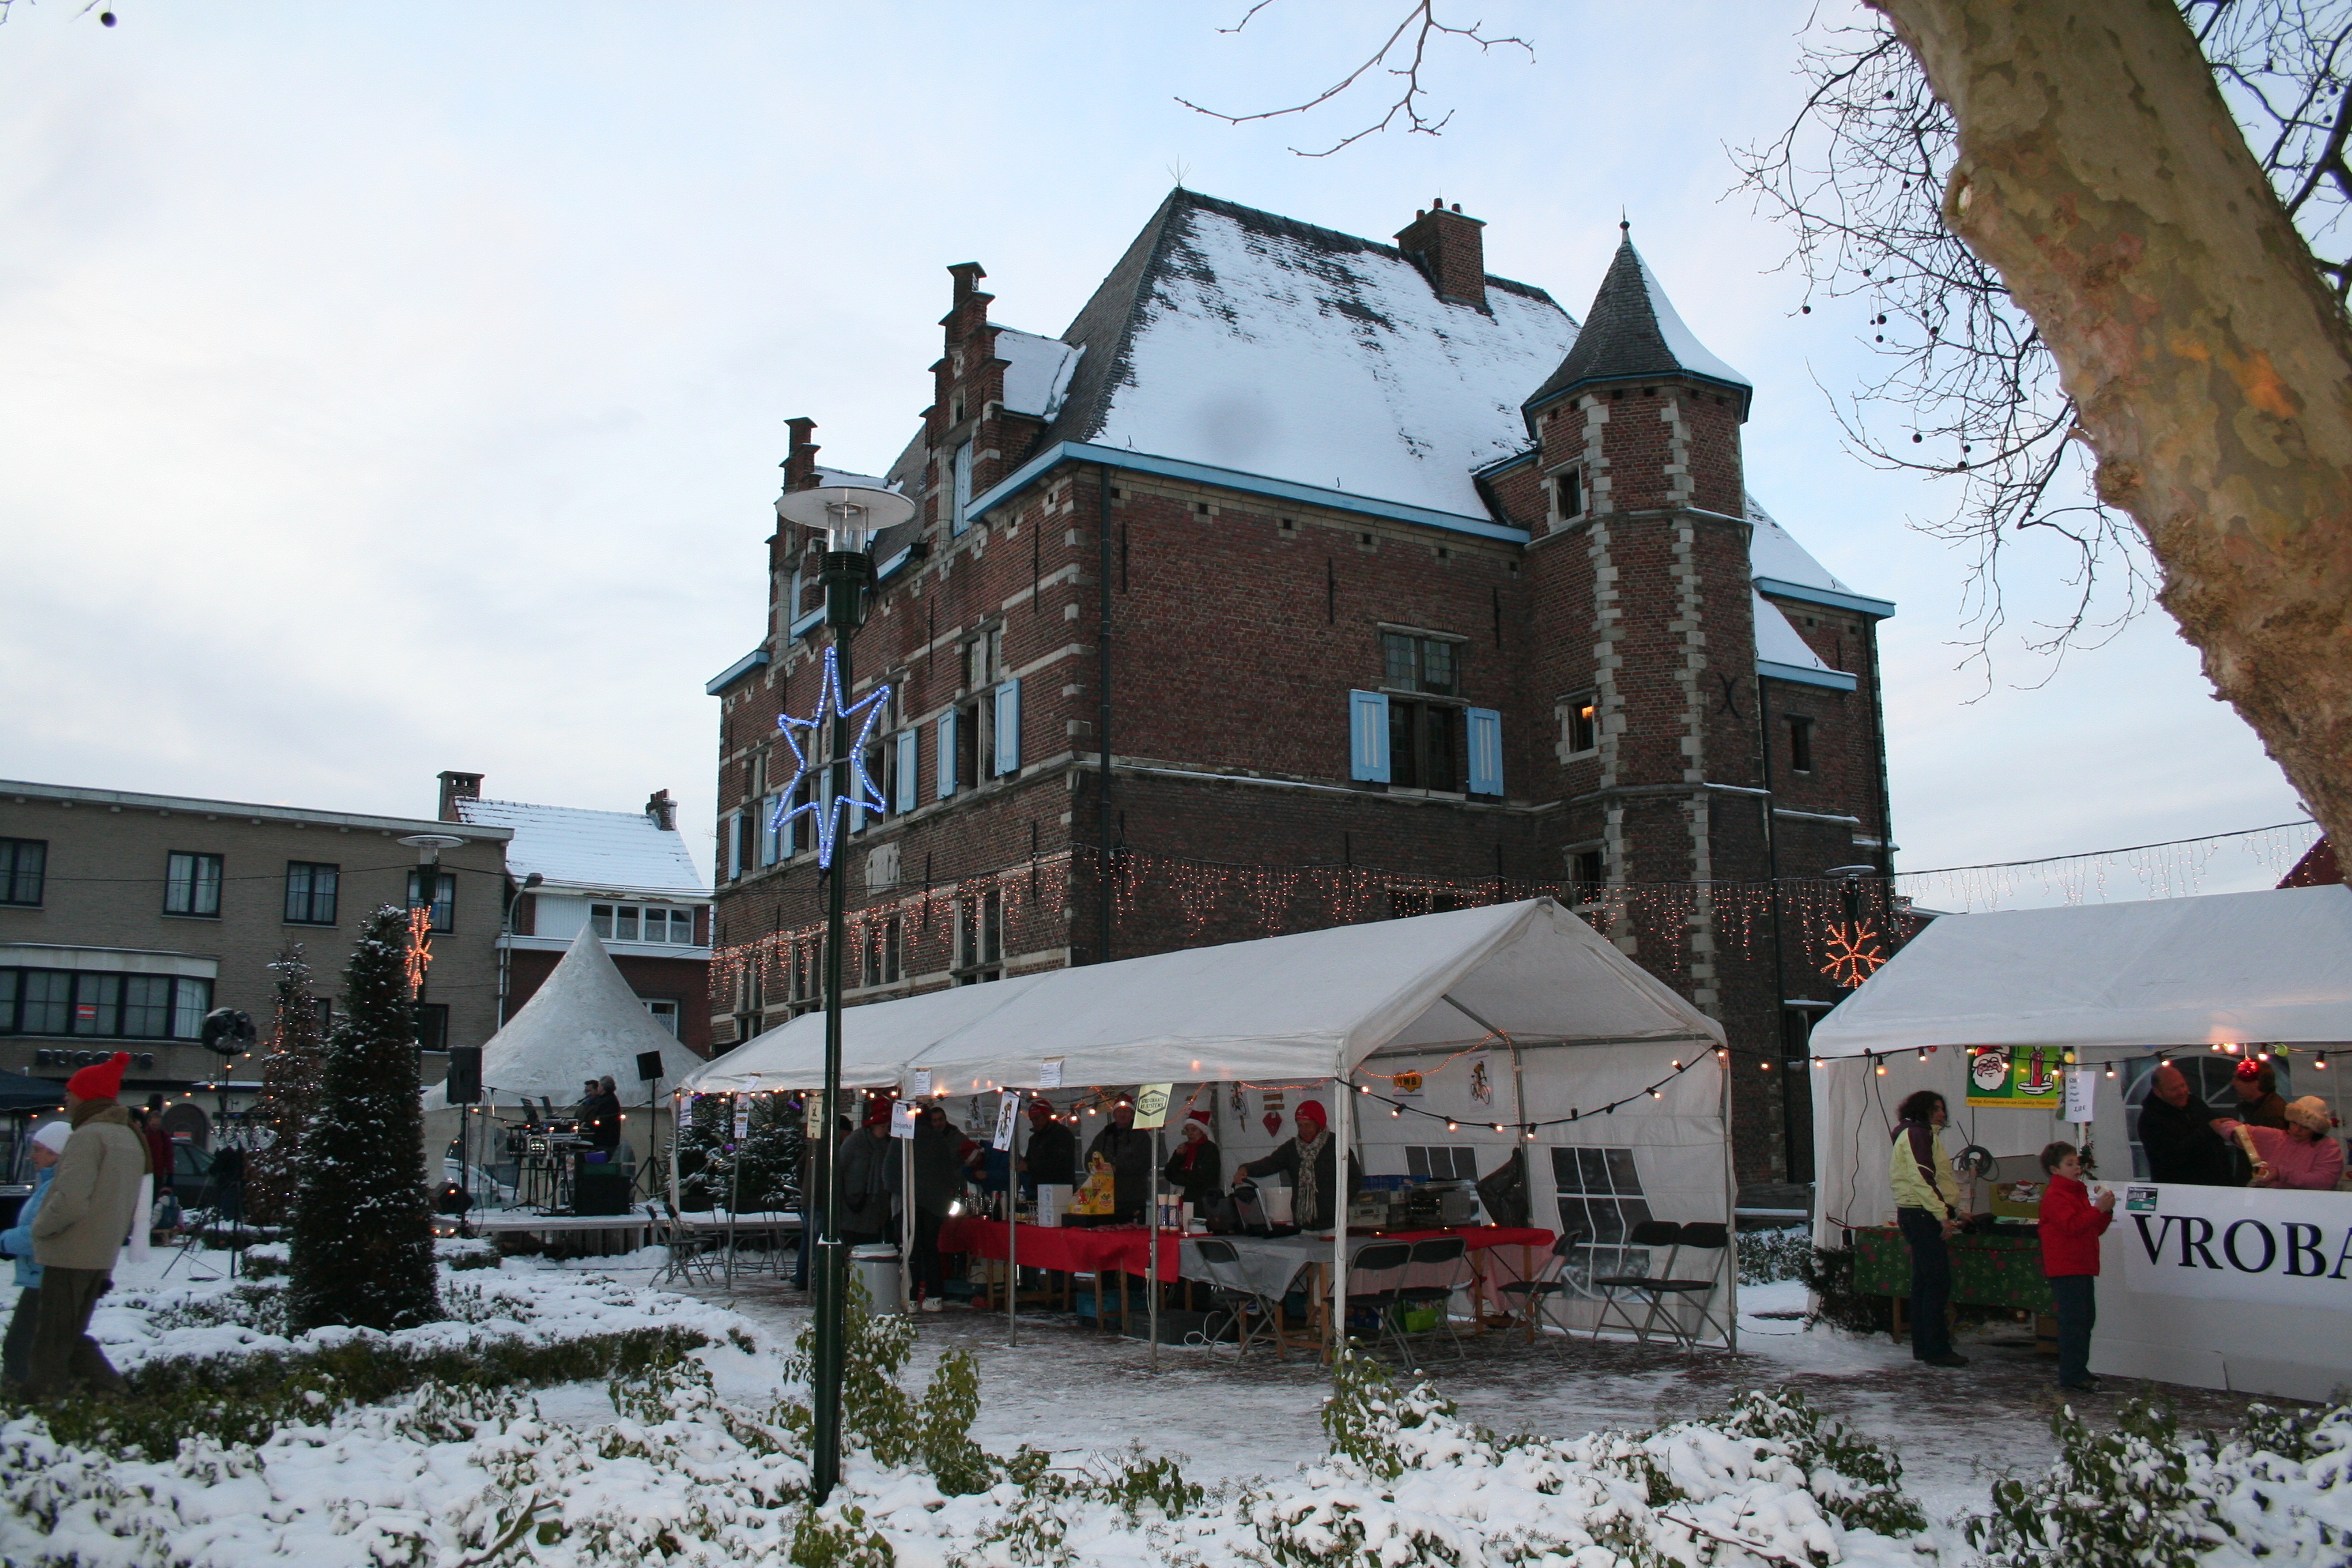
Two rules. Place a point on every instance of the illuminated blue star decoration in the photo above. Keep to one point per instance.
(824, 807)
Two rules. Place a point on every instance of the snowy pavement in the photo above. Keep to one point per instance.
(1075, 1389)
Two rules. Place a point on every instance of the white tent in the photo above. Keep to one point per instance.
(2114, 985)
(1267, 1021)
(584, 1022)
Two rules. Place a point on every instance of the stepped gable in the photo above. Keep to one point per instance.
(1251, 341)
(1632, 331)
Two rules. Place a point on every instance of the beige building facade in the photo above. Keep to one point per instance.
(125, 918)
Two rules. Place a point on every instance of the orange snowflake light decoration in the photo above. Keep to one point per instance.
(420, 947)
(1854, 955)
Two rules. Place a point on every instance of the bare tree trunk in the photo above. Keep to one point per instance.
(2101, 173)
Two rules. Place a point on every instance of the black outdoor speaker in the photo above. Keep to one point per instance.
(464, 1084)
(600, 1189)
(649, 1065)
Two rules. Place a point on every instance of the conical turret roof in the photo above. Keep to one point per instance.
(585, 1022)
(1631, 331)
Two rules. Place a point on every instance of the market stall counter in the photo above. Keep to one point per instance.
(2002, 1268)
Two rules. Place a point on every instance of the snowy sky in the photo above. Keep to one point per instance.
(393, 388)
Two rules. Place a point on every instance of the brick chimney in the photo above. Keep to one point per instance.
(800, 459)
(663, 810)
(456, 787)
(1450, 251)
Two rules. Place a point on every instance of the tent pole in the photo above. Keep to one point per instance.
(1343, 1122)
(1152, 1264)
(1730, 1204)
(907, 1223)
(1013, 1239)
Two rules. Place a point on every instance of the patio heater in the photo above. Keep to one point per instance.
(850, 515)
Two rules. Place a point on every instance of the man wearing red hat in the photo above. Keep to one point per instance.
(93, 1203)
(1311, 1161)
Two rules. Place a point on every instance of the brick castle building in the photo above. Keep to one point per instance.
(1304, 580)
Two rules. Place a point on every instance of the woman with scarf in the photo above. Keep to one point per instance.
(1311, 1162)
(1194, 1167)
(1927, 1208)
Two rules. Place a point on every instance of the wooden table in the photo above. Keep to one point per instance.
(1995, 1270)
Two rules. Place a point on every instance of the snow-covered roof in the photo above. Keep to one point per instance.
(582, 1022)
(1780, 643)
(1036, 370)
(1633, 329)
(827, 479)
(1773, 552)
(621, 852)
(1245, 341)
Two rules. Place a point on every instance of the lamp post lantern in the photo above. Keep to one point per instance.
(850, 515)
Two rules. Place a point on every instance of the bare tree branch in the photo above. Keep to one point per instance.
(1407, 104)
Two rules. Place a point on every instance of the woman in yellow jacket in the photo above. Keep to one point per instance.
(1927, 1208)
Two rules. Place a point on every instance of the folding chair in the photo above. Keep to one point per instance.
(1256, 1316)
(1441, 1267)
(689, 1254)
(1534, 1295)
(1697, 1236)
(1649, 1236)
(1373, 1275)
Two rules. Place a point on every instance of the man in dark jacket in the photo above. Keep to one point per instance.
(1128, 1152)
(1051, 1157)
(939, 1182)
(1311, 1161)
(2259, 1102)
(2175, 1129)
(867, 1168)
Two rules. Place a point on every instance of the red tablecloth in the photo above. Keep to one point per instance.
(1088, 1250)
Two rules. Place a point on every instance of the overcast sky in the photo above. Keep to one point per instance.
(393, 388)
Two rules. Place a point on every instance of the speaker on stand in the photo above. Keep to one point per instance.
(649, 1073)
(464, 1087)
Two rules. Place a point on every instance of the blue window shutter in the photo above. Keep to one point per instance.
(1486, 751)
(730, 844)
(961, 494)
(911, 751)
(947, 759)
(1008, 728)
(1367, 736)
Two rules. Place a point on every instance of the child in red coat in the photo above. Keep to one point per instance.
(2072, 1222)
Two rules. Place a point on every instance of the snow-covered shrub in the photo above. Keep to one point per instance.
(877, 1415)
(1768, 1256)
(460, 1254)
(2146, 1496)
(265, 1260)
(1771, 1480)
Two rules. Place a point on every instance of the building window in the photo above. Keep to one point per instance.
(960, 501)
(1424, 745)
(664, 1013)
(1588, 869)
(24, 865)
(192, 885)
(311, 893)
(432, 1026)
(1420, 664)
(1582, 717)
(103, 1004)
(326, 1010)
(1568, 488)
(979, 937)
(445, 898)
(641, 922)
(880, 953)
(1800, 743)
(1441, 1162)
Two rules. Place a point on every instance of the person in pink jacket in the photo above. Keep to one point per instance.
(2303, 1157)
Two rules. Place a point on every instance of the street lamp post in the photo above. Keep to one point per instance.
(850, 517)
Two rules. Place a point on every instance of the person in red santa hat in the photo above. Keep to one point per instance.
(93, 1203)
(1195, 1165)
(1311, 1162)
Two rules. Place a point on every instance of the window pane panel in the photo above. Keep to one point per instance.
(146, 1005)
(10, 980)
(1623, 1178)
(98, 1005)
(1437, 667)
(179, 884)
(600, 919)
(1399, 650)
(1404, 757)
(208, 884)
(624, 923)
(1594, 1168)
(48, 995)
(191, 1000)
(22, 862)
(297, 890)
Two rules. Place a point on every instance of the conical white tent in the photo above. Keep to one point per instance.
(585, 1022)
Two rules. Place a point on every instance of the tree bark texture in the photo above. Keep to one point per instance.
(2100, 172)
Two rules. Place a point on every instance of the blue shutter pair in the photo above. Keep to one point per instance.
(1368, 743)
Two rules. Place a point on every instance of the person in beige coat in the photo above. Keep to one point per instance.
(91, 1205)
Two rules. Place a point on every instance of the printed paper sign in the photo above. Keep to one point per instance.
(1151, 1105)
(1482, 1080)
(742, 1117)
(1408, 1085)
(2238, 1244)
(922, 1083)
(1049, 1073)
(2026, 1079)
(2082, 1095)
(1008, 1117)
(902, 1118)
(813, 1104)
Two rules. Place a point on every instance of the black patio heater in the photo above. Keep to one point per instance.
(850, 515)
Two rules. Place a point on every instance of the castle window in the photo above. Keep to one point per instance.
(960, 514)
(1424, 745)
(1800, 743)
(1580, 719)
(1568, 487)
(1419, 664)
(980, 937)
(1588, 869)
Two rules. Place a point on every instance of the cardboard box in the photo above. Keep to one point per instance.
(1053, 1201)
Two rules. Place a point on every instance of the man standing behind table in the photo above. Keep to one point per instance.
(87, 1213)
(2177, 1130)
(2258, 1104)
(1309, 1160)
(1128, 1152)
(1051, 1157)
